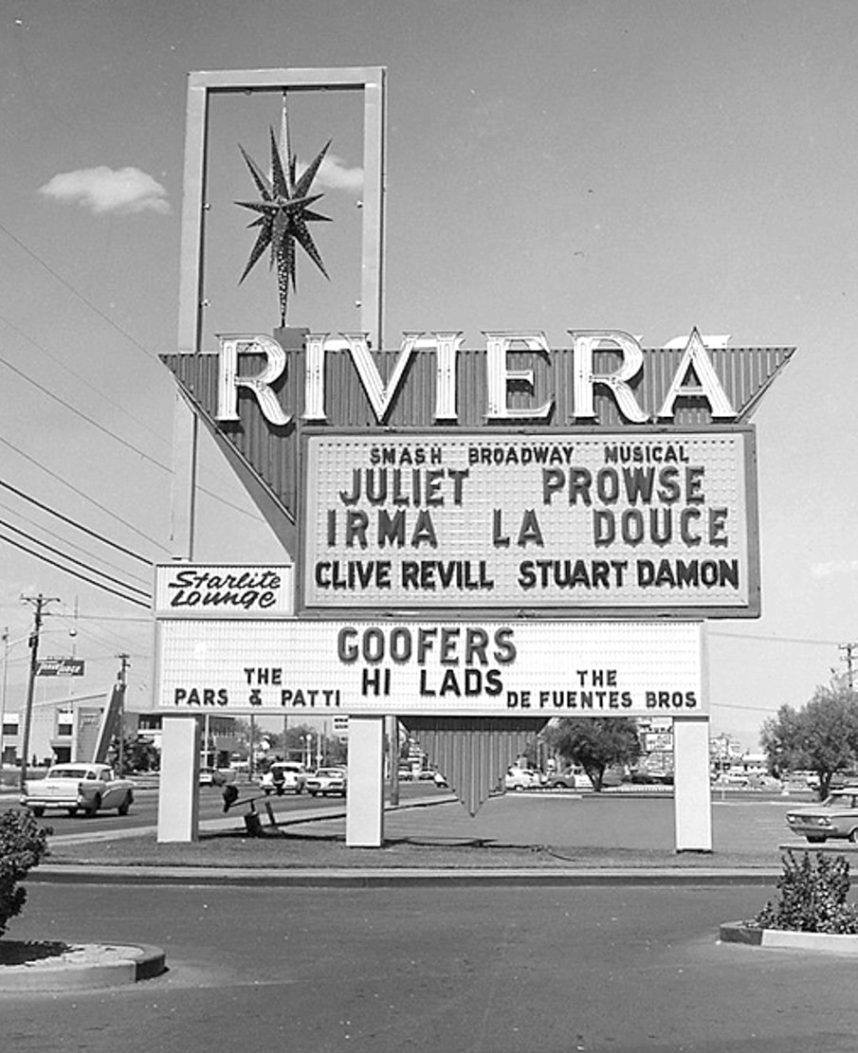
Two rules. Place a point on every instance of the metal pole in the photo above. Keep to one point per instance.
(5, 639)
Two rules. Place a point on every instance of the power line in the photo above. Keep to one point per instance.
(74, 573)
(86, 381)
(71, 559)
(772, 638)
(71, 522)
(86, 497)
(72, 544)
(76, 293)
(79, 413)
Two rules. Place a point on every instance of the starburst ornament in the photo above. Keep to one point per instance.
(284, 214)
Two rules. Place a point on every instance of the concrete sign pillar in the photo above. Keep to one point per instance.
(365, 799)
(692, 804)
(179, 795)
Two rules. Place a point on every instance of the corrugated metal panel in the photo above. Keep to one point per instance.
(473, 755)
(272, 451)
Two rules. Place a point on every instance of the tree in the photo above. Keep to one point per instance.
(595, 743)
(822, 736)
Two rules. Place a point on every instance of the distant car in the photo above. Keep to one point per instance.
(89, 788)
(571, 779)
(438, 779)
(522, 779)
(283, 776)
(836, 816)
(327, 781)
(211, 777)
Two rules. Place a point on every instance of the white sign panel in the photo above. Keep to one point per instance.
(641, 522)
(539, 669)
(191, 590)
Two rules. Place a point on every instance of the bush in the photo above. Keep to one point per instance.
(23, 843)
(812, 896)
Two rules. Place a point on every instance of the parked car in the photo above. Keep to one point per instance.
(570, 779)
(326, 781)
(79, 787)
(283, 776)
(211, 777)
(836, 816)
(522, 779)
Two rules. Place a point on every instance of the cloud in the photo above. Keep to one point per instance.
(334, 174)
(124, 191)
(832, 567)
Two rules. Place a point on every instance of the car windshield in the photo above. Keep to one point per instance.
(67, 773)
(331, 773)
(841, 800)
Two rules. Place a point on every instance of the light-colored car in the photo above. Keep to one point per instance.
(571, 779)
(326, 781)
(284, 776)
(89, 788)
(211, 777)
(522, 779)
(836, 816)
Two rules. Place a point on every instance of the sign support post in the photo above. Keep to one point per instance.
(365, 800)
(692, 803)
(178, 796)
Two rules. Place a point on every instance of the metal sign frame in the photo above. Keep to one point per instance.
(614, 613)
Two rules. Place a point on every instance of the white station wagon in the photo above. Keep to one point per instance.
(89, 788)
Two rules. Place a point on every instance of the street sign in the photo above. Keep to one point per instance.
(60, 667)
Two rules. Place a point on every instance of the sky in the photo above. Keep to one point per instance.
(552, 165)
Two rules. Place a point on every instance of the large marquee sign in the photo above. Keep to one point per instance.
(639, 522)
(468, 668)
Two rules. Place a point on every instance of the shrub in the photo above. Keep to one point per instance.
(812, 896)
(22, 844)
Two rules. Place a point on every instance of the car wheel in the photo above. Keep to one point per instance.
(814, 839)
(93, 806)
(266, 791)
(72, 812)
(853, 836)
(280, 791)
(38, 810)
(126, 804)
(312, 792)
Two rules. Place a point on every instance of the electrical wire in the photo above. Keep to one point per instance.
(91, 500)
(86, 381)
(84, 416)
(53, 563)
(71, 544)
(71, 559)
(67, 285)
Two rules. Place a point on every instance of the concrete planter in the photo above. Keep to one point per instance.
(737, 932)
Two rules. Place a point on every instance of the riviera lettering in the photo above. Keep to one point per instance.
(695, 376)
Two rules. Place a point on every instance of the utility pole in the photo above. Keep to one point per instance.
(121, 677)
(4, 638)
(847, 649)
(39, 603)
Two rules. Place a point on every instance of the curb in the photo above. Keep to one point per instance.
(788, 939)
(404, 877)
(112, 966)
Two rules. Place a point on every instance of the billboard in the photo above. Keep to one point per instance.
(465, 668)
(639, 523)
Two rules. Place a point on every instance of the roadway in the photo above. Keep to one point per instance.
(498, 970)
